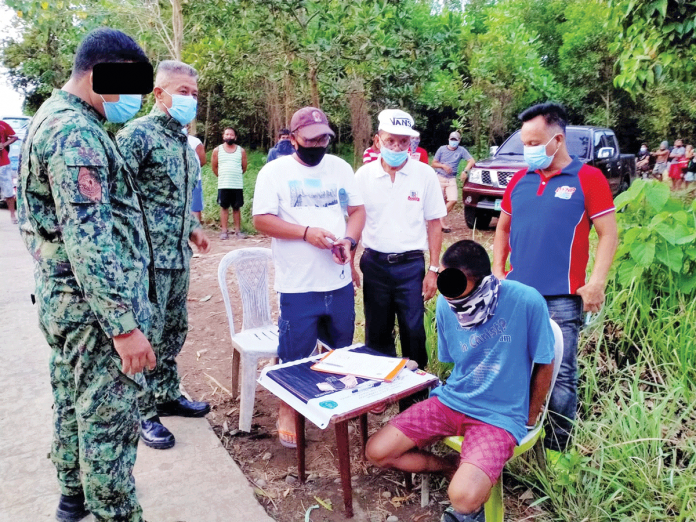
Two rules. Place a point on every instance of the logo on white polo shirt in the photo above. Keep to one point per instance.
(565, 192)
(413, 196)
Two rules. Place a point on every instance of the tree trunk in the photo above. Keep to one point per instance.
(314, 86)
(288, 92)
(361, 124)
(178, 28)
(207, 118)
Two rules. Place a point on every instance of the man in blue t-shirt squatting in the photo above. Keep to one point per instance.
(499, 337)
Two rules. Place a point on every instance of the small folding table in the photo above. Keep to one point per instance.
(296, 384)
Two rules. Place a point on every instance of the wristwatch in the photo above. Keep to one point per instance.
(353, 243)
(434, 268)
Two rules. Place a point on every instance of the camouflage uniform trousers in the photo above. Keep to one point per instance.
(95, 416)
(167, 336)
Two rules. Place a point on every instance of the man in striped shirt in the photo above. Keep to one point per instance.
(229, 163)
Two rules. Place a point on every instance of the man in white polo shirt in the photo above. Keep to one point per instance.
(403, 204)
(301, 202)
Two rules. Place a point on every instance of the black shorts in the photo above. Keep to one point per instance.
(231, 198)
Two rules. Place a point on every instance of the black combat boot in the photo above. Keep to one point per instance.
(155, 435)
(71, 508)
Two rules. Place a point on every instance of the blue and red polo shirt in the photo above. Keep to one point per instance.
(550, 225)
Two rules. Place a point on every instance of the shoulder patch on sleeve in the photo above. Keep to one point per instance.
(89, 184)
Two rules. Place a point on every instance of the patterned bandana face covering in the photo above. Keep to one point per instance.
(479, 306)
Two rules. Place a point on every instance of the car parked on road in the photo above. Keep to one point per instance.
(484, 188)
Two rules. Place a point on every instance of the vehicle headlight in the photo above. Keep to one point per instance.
(475, 176)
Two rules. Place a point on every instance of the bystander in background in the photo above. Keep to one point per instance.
(372, 152)
(446, 165)
(661, 159)
(418, 153)
(229, 163)
(197, 197)
(283, 147)
(643, 161)
(7, 138)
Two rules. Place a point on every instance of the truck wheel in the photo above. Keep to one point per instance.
(477, 218)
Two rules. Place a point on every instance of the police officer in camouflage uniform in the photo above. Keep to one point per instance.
(81, 221)
(166, 172)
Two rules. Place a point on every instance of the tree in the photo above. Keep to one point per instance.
(40, 60)
(656, 41)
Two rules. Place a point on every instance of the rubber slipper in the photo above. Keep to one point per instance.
(378, 410)
(14, 221)
(446, 230)
(287, 438)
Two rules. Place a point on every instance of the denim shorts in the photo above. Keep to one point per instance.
(197, 198)
(309, 316)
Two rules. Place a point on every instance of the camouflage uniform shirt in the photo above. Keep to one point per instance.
(166, 172)
(80, 219)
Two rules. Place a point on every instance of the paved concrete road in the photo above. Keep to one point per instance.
(196, 481)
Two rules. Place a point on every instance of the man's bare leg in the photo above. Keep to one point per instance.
(199, 216)
(450, 206)
(390, 448)
(286, 423)
(224, 218)
(11, 207)
(469, 489)
(237, 218)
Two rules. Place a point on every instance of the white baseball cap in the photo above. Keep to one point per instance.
(396, 121)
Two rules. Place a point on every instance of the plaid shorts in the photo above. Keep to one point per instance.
(486, 447)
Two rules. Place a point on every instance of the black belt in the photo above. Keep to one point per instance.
(402, 257)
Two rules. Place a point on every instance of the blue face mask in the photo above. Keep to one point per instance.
(183, 108)
(392, 158)
(124, 109)
(454, 144)
(536, 156)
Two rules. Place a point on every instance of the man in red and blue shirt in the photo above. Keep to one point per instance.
(547, 212)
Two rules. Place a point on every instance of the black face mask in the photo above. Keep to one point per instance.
(311, 156)
(231, 141)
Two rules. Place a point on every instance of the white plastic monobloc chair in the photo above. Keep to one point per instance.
(259, 336)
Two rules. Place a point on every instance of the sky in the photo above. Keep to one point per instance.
(10, 100)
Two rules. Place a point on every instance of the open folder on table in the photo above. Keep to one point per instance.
(366, 365)
(297, 384)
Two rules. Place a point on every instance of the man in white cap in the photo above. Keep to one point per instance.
(403, 204)
(301, 201)
(446, 165)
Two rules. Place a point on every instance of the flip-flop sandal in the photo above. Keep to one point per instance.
(446, 230)
(287, 438)
(14, 221)
(378, 410)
